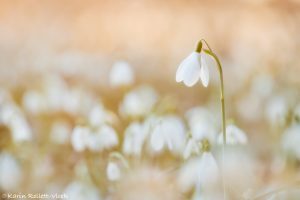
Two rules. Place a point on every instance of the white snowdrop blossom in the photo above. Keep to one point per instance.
(80, 138)
(192, 147)
(291, 140)
(168, 132)
(234, 135)
(99, 139)
(105, 137)
(11, 116)
(10, 172)
(121, 74)
(113, 171)
(202, 124)
(139, 101)
(60, 132)
(134, 139)
(200, 171)
(34, 102)
(79, 191)
(99, 116)
(277, 110)
(193, 68)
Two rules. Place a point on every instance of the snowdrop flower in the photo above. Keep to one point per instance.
(80, 138)
(10, 172)
(138, 102)
(104, 138)
(34, 102)
(192, 147)
(20, 129)
(234, 136)
(134, 139)
(11, 116)
(169, 132)
(202, 124)
(202, 171)
(193, 68)
(60, 132)
(291, 139)
(99, 116)
(277, 110)
(78, 191)
(113, 171)
(121, 74)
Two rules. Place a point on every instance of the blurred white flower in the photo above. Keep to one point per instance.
(291, 140)
(104, 138)
(99, 139)
(10, 172)
(193, 68)
(60, 132)
(200, 171)
(79, 191)
(234, 135)
(139, 101)
(34, 102)
(168, 132)
(192, 147)
(202, 124)
(11, 116)
(80, 138)
(277, 110)
(134, 139)
(98, 115)
(113, 171)
(121, 74)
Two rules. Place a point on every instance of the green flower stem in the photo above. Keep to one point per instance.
(209, 52)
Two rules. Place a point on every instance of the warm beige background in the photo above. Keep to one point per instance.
(156, 34)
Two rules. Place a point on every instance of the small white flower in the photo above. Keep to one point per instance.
(121, 74)
(193, 68)
(20, 129)
(202, 124)
(134, 139)
(169, 132)
(201, 171)
(113, 171)
(78, 191)
(192, 147)
(234, 135)
(104, 138)
(60, 132)
(80, 137)
(34, 102)
(10, 172)
(99, 116)
(277, 110)
(138, 102)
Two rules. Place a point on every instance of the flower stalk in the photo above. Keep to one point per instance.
(222, 99)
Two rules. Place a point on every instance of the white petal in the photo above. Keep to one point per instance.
(189, 70)
(157, 140)
(113, 172)
(208, 171)
(204, 73)
(121, 74)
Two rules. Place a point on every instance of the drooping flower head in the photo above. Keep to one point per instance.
(193, 68)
